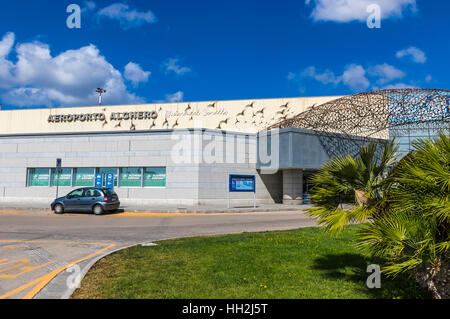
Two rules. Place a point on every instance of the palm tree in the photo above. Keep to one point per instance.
(404, 207)
(345, 181)
(414, 235)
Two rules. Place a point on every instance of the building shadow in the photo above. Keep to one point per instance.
(272, 183)
(353, 267)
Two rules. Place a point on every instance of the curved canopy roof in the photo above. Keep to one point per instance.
(344, 124)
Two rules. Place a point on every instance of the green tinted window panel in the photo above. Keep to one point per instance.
(83, 177)
(64, 178)
(39, 177)
(130, 177)
(155, 177)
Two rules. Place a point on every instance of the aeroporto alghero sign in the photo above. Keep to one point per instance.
(93, 117)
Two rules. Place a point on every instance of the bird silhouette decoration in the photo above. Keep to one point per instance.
(260, 111)
(241, 114)
(283, 111)
(219, 127)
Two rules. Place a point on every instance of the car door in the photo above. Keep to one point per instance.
(73, 200)
(90, 197)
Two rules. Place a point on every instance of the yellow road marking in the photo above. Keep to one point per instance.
(12, 247)
(51, 242)
(125, 214)
(10, 211)
(20, 263)
(25, 270)
(2, 262)
(128, 214)
(41, 282)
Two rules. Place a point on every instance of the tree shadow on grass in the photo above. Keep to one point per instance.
(353, 267)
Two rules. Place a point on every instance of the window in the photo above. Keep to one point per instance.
(38, 177)
(63, 178)
(91, 193)
(130, 177)
(109, 192)
(76, 193)
(86, 177)
(155, 177)
(106, 171)
(83, 177)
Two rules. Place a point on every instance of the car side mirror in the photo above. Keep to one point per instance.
(69, 196)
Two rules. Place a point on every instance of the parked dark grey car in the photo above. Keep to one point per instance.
(91, 199)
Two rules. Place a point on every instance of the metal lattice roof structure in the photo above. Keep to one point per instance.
(345, 124)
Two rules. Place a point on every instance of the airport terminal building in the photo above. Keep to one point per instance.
(173, 154)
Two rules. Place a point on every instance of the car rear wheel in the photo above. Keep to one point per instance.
(98, 210)
(59, 209)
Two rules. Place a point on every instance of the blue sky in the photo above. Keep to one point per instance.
(170, 51)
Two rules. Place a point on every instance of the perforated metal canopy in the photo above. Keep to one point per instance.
(345, 124)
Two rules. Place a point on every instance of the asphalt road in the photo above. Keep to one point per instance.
(44, 255)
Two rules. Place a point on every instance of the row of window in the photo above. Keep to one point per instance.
(86, 177)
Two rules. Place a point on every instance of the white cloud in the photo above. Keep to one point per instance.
(89, 6)
(386, 73)
(68, 79)
(414, 53)
(134, 73)
(428, 78)
(355, 77)
(173, 65)
(6, 44)
(327, 77)
(129, 18)
(175, 98)
(356, 10)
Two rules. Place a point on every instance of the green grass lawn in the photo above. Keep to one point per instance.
(303, 263)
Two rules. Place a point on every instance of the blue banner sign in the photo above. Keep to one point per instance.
(242, 183)
(99, 180)
(110, 181)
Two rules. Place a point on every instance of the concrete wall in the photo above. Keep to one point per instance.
(191, 181)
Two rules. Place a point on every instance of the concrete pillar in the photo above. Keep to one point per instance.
(292, 187)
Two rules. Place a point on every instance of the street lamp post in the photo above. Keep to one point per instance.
(100, 91)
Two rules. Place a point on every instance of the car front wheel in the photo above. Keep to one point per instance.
(59, 209)
(98, 210)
